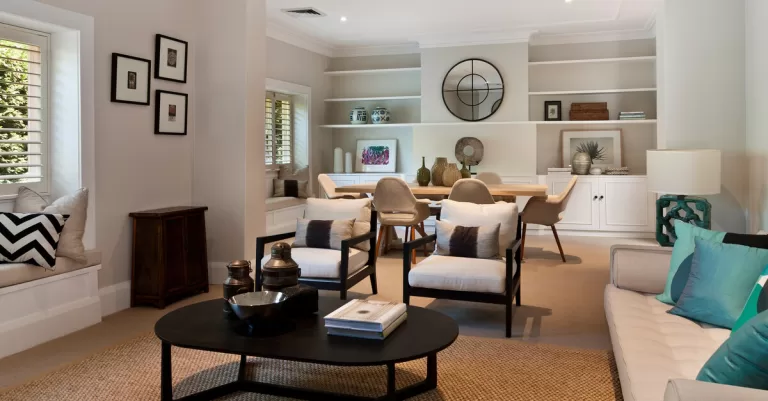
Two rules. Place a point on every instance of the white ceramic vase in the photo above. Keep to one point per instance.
(338, 161)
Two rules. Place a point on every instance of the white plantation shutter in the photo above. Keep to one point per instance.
(23, 109)
(278, 145)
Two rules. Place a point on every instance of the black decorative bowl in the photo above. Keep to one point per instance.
(254, 307)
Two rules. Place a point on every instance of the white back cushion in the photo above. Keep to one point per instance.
(473, 215)
(343, 209)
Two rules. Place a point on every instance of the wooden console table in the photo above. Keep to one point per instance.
(170, 258)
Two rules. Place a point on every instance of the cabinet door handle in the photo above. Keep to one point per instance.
(595, 198)
(601, 197)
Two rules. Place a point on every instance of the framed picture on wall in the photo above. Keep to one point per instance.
(130, 79)
(170, 58)
(553, 110)
(603, 146)
(171, 113)
(376, 156)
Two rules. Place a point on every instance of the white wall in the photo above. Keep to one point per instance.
(135, 169)
(757, 115)
(296, 65)
(702, 105)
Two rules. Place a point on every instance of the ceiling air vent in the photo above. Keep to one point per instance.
(304, 12)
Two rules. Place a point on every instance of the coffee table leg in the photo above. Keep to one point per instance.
(391, 385)
(432, 370)
(166, 375)
(241, 370)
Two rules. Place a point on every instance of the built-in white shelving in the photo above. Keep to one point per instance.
(362, 99)
(392, 125)
(595, 60)
(401, 125)
(374, 71)
(596, 122)
(592, 92)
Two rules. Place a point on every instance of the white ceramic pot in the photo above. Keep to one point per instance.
(595, 171)
(358, 115)
(380, 115)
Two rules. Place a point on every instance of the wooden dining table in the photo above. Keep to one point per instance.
(496, 190)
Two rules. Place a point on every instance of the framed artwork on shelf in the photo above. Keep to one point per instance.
(130, 79)
(603, 146)
(170, 58)
(376, 156)
(553, 110)
(171, 113)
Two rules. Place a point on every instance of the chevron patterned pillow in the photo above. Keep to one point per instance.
(30, 238)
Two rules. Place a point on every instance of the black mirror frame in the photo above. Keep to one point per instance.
(496, 104)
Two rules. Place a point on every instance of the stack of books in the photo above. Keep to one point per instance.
(559, 170)
(366, 319)
(632, 115)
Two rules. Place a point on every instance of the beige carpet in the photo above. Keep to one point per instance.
(473, 368)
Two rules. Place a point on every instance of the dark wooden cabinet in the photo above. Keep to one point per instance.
(170, 258)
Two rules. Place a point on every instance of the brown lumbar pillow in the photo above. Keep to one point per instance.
(467, 242)
(325, 234)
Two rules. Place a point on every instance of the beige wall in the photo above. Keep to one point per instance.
(135, 169)
(757, 118)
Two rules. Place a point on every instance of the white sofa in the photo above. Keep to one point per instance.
(658, 355)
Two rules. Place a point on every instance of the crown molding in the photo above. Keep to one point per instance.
(605, 36)
(298, 39)
(380, 50)
(475, 38)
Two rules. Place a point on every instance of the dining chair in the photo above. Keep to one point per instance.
(548, 211)
(397, 207)
(329, 189)
(471, 190)
(491, 178)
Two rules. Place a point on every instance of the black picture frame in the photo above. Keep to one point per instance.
(115, 60)
(158, 95)
(158, 40)
(559, 106)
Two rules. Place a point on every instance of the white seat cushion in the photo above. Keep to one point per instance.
(283, 202)
(651, 346)
(460, 274)
(324, 263)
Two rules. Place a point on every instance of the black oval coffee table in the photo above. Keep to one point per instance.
(203, 326)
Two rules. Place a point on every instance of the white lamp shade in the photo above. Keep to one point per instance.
(684, 171)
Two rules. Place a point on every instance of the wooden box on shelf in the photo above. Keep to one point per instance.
(589, 111)
(170, 258)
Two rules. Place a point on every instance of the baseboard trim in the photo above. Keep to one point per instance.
(115, 298)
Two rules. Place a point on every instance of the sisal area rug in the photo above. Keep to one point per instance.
(472, 368)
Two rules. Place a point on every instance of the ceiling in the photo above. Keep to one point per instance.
(432, 23)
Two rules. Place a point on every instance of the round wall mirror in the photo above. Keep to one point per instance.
(473, 89)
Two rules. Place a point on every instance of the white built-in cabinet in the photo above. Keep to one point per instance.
(606, 203)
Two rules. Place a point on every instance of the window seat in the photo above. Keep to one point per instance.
(283, 202)
(17, 273)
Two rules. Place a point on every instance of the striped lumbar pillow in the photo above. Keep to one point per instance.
(291, 188)
(467, 242)
(30, 238)
(325, 234)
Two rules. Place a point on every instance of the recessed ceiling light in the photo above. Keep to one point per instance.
(343, 19)
(568, 1)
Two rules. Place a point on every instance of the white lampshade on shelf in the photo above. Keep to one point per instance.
(684, 171)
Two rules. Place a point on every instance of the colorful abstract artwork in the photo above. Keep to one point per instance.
(376, 156)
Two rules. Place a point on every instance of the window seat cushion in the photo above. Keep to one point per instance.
(17, 273)
(283, 202)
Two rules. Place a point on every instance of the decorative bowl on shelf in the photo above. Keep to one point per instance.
(358, 115)
(380, 115)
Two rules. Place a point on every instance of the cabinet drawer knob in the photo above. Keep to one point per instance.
(601, 197)
(595, 198)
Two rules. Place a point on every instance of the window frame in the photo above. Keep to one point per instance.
(276, 95)
(41, 40)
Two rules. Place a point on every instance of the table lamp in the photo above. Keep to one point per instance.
(677, 174)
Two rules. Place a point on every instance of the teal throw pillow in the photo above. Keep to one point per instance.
(682, 255)
(756, 303)
(722, 276)
(742, 360)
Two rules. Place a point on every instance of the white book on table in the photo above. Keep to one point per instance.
(363, 314)
(373, 335)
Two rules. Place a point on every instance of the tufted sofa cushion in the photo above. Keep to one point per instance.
(651, 346)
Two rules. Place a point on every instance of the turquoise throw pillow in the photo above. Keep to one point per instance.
(742, 360)
(721, 278)
(756, 303)
(682, 255)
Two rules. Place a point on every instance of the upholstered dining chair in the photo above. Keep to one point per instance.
(490, 178)
(332, 269)
(548, 211)
(329, 189)
(472, 191)
(494, 280)
(397, 207)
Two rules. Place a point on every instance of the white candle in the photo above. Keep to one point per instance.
(338, 160)
(348, 163)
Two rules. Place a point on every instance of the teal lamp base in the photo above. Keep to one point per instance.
(682, 204)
